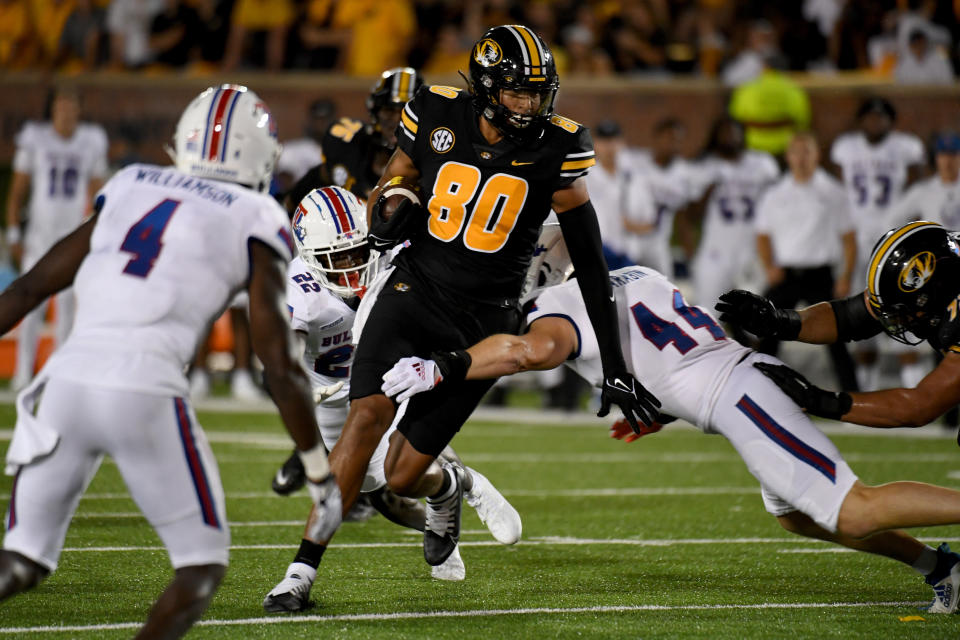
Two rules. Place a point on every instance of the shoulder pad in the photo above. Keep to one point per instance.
(345, 129)
(447, 92)
(566, 124)
(27, 133)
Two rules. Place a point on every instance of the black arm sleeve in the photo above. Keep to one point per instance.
(854, 321)
(581, 232)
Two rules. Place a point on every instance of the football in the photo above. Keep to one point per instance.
(396, 191)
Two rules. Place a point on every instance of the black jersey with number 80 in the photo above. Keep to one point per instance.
(485, 203)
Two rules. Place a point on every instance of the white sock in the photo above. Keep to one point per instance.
(453, 485)
(927, 561)
(308, 572)
(912, 374)
(867, 376)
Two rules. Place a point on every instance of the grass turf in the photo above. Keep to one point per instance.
(590, 564)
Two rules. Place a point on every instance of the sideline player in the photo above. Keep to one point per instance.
(709, 380)
(491, 163)
(669, 176)
(733, 178)
(62, 163)
(913, 293)
(325, 281)
(166, 251)
(355, 153)
(876, 164)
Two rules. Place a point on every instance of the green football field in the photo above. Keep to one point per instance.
(662, 538)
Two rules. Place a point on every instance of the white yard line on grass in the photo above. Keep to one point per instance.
(474, 613)
(538, 493)
(536, 541)
(532, 542)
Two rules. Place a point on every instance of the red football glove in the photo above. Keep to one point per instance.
(621, 430)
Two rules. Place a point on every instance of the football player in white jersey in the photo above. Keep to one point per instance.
(325, 282)
(682, 355)
(732, 179)
(669, 178)
(60, 164)
(938, 197)
(876, 164)
(160, 259)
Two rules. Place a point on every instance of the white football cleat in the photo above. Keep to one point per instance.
(293, 592)
(946, 591)
(242, 386)
(501, 518)
(452, 568)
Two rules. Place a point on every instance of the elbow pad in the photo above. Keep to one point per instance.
(854, 321)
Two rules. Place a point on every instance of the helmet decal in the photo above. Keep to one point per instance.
(886, 246)
(336, 203)
(534, 59)
(487, 53)
(218, 122)
(297, 223)
(917, 271)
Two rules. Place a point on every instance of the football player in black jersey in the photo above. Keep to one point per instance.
(355, 153)
(491, 162)
(913, 293)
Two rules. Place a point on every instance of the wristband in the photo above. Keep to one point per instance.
(839, 407)
(789, 324)
(453, 365)
(315, 463)
(13, 235)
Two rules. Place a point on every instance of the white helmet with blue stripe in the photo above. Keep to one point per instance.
(227, 133)
(330, 230)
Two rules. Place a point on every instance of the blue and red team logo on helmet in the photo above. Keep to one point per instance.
(298, 222)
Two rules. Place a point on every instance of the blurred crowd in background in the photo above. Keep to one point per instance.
(909, 40)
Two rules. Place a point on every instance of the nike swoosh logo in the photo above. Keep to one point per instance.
(519, 164)
(282, 477)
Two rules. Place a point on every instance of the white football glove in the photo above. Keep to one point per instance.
(322, 393)
(329, 508)
(409, 377)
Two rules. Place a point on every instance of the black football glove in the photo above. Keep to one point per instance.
(637, 404)
(405, 221)
(816, 401)
(758, 315)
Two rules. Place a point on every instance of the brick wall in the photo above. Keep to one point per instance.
(151, 105)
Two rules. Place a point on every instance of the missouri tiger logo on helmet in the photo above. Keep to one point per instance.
(514, 58)
(917, 271)
(913, 274)
(487, 52)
